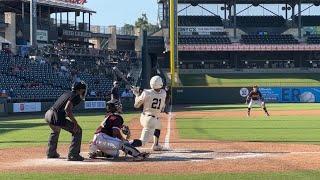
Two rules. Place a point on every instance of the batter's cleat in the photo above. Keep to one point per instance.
(248, 114)
(53, 156)
(267, 114)
(75, 158)
(157, 148)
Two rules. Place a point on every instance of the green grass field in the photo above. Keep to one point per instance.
(289, 128)
(242, 80)
(32, 131)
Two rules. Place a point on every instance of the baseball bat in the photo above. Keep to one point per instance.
(122, 76)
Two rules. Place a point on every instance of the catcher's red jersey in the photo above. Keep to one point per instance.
(111, 121)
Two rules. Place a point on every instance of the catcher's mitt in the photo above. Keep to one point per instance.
(126, 131)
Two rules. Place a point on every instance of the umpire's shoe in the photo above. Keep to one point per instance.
(53, 156)
(75, 158)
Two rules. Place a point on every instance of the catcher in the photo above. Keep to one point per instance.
(112, 136)
(255, 97)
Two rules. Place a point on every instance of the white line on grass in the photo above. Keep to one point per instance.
(167, 138)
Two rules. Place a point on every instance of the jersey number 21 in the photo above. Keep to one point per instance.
(156, 103)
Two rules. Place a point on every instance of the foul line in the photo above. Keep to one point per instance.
(167, 138)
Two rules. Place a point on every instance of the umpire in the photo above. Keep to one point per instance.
(56, 119)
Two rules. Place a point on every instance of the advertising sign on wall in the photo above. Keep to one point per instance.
(27, 107)
(291, 94)
(95, 105)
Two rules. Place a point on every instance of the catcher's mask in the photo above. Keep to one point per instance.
(112, 106)
(80, 86)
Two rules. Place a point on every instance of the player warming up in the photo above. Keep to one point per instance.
(112, 136)
(255, 97)
(153, 102)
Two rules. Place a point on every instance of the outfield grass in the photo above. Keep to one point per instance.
(289, 128)
(243, 80)
(32, 130)
(221, 176)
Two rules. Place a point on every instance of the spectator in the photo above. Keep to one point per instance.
(127, 94)
(93, 93)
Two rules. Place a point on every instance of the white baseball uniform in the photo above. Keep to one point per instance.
(153, 104)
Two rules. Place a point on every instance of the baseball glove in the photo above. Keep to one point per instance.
(126, 131)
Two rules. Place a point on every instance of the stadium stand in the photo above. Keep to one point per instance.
(25, 78)
(308, 20)
(200, 21)
(268, 39)
(204, 40)
(259, 21)
(313, 39)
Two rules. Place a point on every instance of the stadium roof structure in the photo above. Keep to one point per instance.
(244, 1)
(54, 3)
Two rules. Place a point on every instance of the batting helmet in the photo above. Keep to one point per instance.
(156, 82)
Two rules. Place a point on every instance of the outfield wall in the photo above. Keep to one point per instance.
(41, 107)
(236, 95)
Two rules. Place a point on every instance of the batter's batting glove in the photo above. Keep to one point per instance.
(135, 90)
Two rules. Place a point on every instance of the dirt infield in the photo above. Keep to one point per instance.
(185, 156)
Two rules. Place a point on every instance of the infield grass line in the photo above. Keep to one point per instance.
(167, 138)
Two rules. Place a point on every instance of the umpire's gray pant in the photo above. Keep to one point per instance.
(55, 132)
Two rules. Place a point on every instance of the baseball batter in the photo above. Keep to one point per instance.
(255, 97)
(153, 102)
(111, 137)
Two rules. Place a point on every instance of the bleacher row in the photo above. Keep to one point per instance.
(22, 78)
(246, 21)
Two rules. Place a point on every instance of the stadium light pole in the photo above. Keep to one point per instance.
(33, 23)
(173, 39)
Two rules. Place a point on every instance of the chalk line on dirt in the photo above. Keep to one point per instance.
(167, 138)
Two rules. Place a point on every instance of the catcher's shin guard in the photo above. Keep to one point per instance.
(129, 149)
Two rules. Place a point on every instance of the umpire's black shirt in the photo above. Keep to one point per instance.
(60, 104)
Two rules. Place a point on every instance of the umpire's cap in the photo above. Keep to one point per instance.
(79, 85)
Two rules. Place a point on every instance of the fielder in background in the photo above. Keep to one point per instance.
(112, 136)
(153, 101)
(56, 119)
(255, 98)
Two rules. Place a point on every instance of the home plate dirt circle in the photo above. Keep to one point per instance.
(178, 155)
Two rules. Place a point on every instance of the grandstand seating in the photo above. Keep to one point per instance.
(268, 39)
(259, 21)
(308, 20)
(40, 80)
(204, 40)
(314, 39)
(200, 21)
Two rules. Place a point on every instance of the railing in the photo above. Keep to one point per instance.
(250, 47)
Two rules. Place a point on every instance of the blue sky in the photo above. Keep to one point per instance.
(119, 12)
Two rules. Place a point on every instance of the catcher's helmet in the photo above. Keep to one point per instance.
(112, 106)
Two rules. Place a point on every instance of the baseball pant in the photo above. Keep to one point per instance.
(256, 102)
(111, 146)
(149, 124)
(55, 132)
